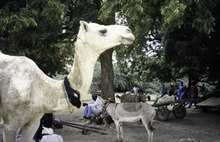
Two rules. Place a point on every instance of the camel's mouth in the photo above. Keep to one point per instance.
(128, 40)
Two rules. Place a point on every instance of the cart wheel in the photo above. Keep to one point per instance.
(162, 114)
(179, 111)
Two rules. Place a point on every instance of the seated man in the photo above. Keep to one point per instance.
(94, 107)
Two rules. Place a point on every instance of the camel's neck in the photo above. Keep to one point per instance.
(81, 73)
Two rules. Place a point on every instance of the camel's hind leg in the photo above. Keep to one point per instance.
(28, 131)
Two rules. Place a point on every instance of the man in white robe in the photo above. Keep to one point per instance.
(94, 107)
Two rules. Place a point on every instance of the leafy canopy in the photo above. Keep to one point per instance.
(182, 34)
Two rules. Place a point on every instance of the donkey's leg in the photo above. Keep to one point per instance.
(29, 129)
(121, 130)
(117, 126)
(149, 128)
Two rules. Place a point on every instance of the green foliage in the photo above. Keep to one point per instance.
(187, 51)
(172, 13)
(204, 20)
(177, 13)
(107, 10)
(34, 29)
(187, 31)
(174, 38)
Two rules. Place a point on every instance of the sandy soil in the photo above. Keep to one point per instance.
(197, 126)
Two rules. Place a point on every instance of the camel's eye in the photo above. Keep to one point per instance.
(128, 30)
(103, 32)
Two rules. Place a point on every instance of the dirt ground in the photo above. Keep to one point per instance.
(195, 127)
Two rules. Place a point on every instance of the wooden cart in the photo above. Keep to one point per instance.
(176, 107)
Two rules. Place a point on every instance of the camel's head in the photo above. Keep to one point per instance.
(100, 37)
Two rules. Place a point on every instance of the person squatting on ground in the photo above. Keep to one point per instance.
(94, 107)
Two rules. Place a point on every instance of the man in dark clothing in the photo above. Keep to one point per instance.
(45, 121)
(193, 92)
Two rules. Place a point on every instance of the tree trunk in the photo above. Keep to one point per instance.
(107, 75)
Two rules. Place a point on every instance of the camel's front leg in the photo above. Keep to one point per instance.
(10, 132)
(29, 129)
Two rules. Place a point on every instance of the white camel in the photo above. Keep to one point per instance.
(26, 93)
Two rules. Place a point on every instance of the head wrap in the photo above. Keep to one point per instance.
(94, 94)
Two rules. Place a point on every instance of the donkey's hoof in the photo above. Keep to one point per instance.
(85, 132)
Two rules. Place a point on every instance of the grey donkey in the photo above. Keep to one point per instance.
(130, 112)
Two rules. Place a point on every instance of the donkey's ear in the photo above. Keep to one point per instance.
(84, 25)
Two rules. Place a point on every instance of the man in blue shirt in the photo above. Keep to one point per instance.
(181, 91)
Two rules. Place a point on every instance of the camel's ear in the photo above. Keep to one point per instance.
(84, 25)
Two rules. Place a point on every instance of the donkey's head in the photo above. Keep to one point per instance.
(100, 37)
